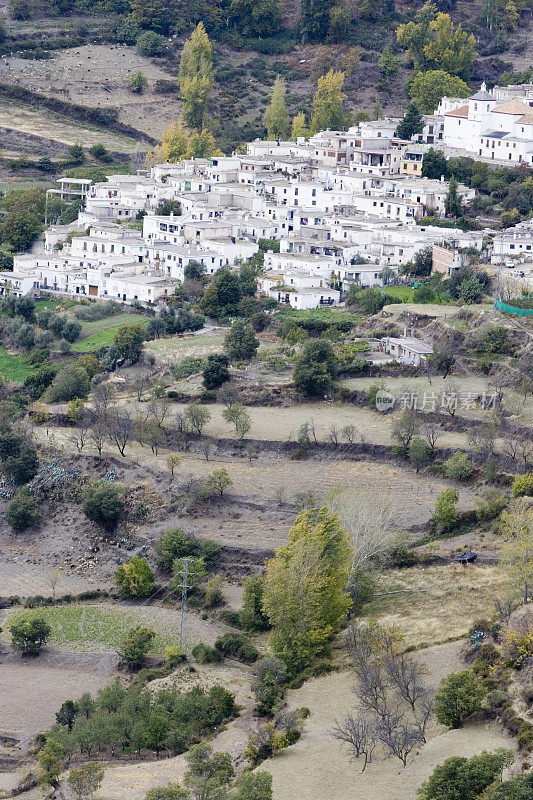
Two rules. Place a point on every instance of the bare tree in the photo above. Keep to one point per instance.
(104, 398)
(98, 433)
(399, 737)
(431, 432)
(358, 732)
(206, 448)
(370, 519)
(80, 435)
(406, 428)
(406, 675)
(450, 398)
(120, 431)
(333, 435)
(350, 433)
(158, 410)
(511, 446)
(141, 384)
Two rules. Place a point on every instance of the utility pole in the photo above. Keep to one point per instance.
(184, 586)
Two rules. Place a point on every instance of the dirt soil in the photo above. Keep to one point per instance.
(31, 690)
(98, 76)
(319, 768)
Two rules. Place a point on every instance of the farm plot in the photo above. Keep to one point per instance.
(31, 692)
(318, 767)
(52, 127)
(438, 602)
(101, 628)
(98, 76)
(14, 367)
(101, 332)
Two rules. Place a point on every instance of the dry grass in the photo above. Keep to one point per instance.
(442, 603)
(318, 767)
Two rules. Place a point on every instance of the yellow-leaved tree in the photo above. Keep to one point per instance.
(177, 143)
(305, 595)
(516, 526)
(195, 76)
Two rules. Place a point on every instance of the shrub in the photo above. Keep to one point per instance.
(103, 504)
(70, 383)
(136, 645)
(135, 578)
(236, 645)
(458, 467)
(445, 513)
(189, 366)
(204, 654)
(251, 615)
(23, 512)
(523, 485)
(458, 697)
(151, 44)
(315, 368)
(213, 596)
(176, 543)
(71, 331)
(28, 634)
(216, 371)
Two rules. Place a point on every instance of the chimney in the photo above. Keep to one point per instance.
(404, 332)
(412, 333)
(442, 178)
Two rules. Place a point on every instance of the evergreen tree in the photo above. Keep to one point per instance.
(195, 75)
(305, 595)
(434, 164)
(328, 112)
(299, 128)
(453, 202)
(411, 123)
(277, 116)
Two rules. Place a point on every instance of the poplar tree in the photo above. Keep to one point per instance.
(298, 127)
(305, 595)
(276, 115)
(195, 75)
(328, 112)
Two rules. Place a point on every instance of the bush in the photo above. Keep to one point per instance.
(458, 697)
(136, 645)
(523, 485)
(205, 654)
(70, 383)
(28, 634)
(251, 615)
(315, 368)
(458, 467)
(189, 365)
(103, 504)
(23, 512)
(236, 645)
(71, 331)
(135, 578)
(176, 543)
(445, 513)
(151, 44)
(216, 371)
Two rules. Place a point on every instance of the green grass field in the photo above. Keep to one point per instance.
(101, 332)
(329, 315)
(92, 627)
(403, 293)
(14, 367)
